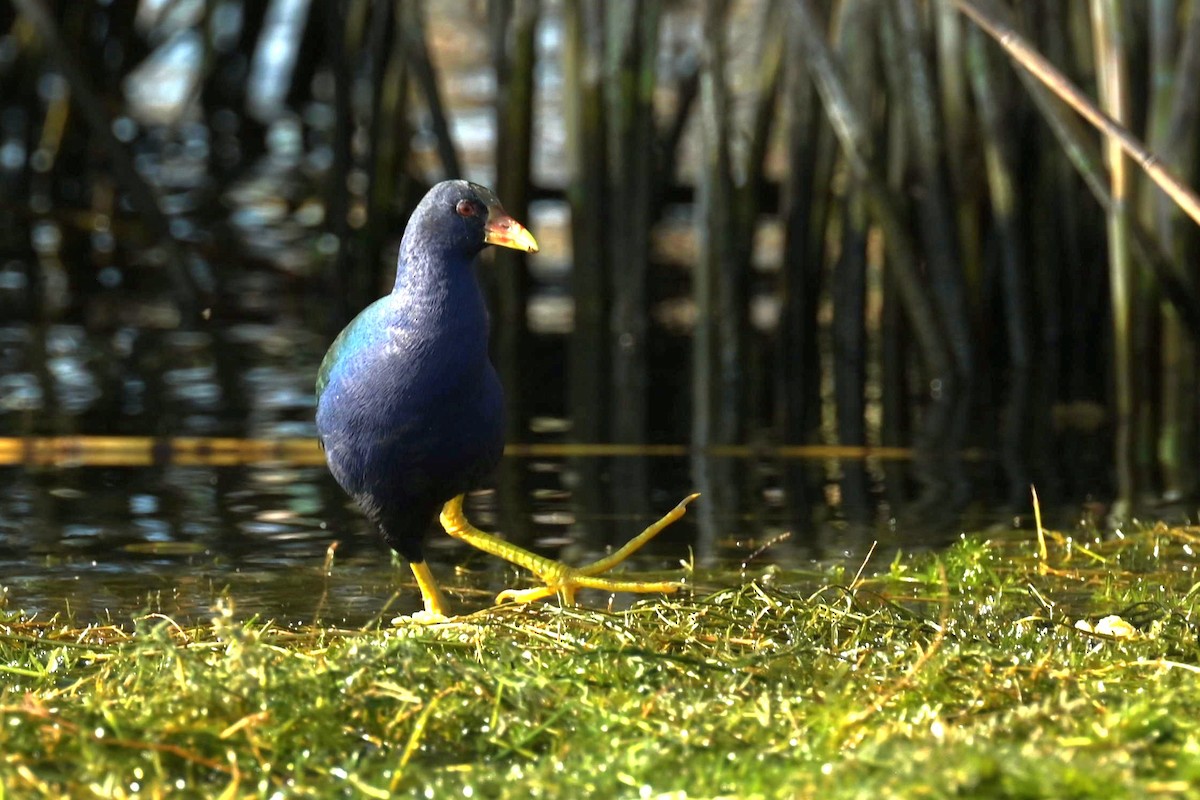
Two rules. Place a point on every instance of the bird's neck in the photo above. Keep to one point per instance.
(439, 286)
(420, 270)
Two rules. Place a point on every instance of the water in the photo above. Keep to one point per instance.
(165, 534)
(126, 516)
(111, 542)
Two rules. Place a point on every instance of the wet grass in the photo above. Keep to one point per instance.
(975, 672)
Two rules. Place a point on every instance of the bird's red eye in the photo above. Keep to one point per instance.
(466, 208)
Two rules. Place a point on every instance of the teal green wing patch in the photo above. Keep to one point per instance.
(356, 333)
(331, 358)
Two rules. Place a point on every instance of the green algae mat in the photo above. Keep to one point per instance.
(993, 669)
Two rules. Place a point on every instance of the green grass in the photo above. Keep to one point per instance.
(958, 674)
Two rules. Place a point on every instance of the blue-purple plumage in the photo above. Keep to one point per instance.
(410, 410)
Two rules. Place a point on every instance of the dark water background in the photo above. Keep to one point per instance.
(107, 354)
(109, 542)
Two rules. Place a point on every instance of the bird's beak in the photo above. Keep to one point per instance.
(501, 229)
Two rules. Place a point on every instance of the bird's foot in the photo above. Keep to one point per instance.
(436, 610)
(560, 579)
(422, 617)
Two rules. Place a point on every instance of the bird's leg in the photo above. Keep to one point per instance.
(436, 609)
(560, 579)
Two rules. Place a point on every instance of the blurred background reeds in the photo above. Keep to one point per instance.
(765, 224)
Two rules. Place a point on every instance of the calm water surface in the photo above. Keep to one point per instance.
(110, 542)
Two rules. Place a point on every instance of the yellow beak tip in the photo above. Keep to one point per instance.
(507, 232)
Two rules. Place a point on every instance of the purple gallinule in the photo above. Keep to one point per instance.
(410, 410)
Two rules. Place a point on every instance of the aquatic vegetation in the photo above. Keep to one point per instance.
(982, 671)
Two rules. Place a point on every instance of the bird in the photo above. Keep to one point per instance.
(410, 409)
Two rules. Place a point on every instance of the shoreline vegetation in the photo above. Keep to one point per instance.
(985, 670)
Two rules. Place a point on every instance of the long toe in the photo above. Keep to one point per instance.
(559, 579)
(570, 581)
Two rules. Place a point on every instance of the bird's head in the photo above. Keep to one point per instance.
(462, 217)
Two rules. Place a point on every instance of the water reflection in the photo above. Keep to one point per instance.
(113, 541)
(107, 542)
(110, 526)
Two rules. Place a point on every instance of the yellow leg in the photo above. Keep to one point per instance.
(436, 609)
(560, 579)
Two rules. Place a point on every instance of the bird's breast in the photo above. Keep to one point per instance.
(414, 403)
